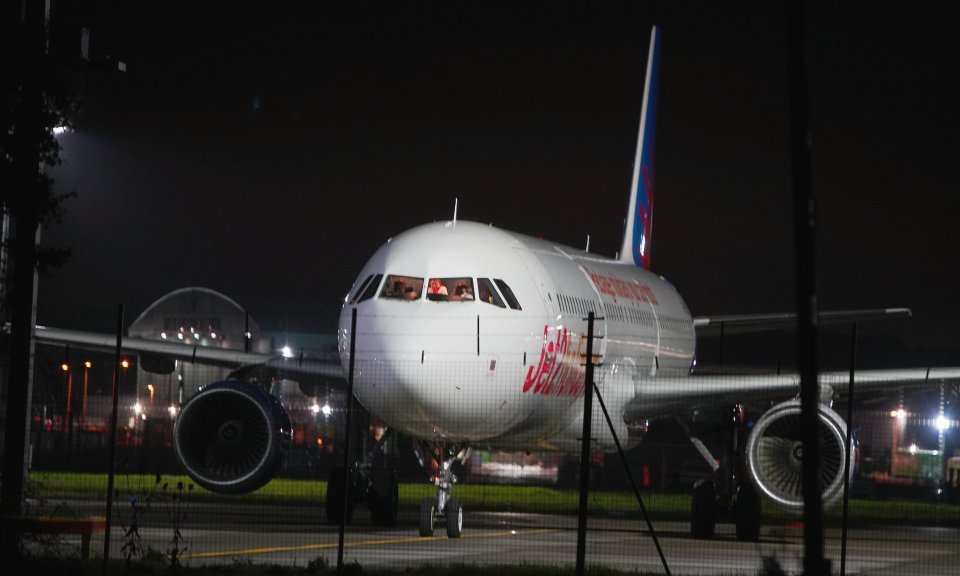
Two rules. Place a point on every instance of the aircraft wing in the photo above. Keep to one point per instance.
(327, 365)
(773, 321)
(665, 396)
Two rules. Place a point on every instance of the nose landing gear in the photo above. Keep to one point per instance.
(444, 505)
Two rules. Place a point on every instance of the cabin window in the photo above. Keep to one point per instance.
(402, 287)
(488, 294)
(508, 294)
(368, 289)
(450, 290)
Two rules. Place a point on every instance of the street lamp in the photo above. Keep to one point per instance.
(66, 369)
(83, 410)
(899, 417)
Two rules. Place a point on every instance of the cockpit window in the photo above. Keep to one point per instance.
(402, 287)
(353, 299)
(368, 288)
(508, 294)
(488, 293)
(450, 289)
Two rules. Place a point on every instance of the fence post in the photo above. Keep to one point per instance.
(585, 452)
(113, 440)
(346, 447)
(846, 463)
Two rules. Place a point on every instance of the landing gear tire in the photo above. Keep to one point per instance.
(703, 517)
(336, 497)
(454, 514)
(427, 513)
(747, 513)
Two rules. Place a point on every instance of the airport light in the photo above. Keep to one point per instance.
(172, 410)
(942, 423)
(286, 352)
(315, 408)
(327, 410)
(137, 408)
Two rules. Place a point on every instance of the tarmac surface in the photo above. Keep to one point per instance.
(287, 535)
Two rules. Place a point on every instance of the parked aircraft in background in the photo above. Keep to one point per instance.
(467, 336)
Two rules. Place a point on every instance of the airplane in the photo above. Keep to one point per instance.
(460, 335)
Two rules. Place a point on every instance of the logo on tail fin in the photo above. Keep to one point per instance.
(636, 238)
(642, 223)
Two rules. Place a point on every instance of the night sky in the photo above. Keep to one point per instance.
(267, 151)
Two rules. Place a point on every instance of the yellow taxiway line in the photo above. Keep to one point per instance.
(377, 542)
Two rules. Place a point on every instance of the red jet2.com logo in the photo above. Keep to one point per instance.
(558, 373)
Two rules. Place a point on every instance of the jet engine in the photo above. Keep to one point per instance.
(775, 450)
(232, 437)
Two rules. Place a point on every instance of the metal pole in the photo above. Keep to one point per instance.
(633, 483)
(846, 461)
(28, 40)
(113, 440)
(68, 424)
(585, 453)
(807, 307)
(346, 446)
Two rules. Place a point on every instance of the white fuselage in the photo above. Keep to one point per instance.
(503, 364)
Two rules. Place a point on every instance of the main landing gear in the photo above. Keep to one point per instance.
(444, 506)
(372, 481)
(728, 494)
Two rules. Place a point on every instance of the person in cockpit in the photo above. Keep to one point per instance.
(437, 287)
(463, 292)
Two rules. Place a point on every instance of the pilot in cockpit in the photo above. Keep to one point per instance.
(437, 287)
(463, 292)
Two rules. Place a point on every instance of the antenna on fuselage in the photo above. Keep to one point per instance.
(587, 249)
(453, 223)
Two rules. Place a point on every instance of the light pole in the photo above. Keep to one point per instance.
(68, 423)
(86, 386)
(66, 370)
(899, 417)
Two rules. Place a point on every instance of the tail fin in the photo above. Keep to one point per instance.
(636, 235)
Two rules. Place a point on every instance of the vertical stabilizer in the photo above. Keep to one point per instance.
(636, 236)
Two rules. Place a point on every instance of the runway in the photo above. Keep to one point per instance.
(286, 536)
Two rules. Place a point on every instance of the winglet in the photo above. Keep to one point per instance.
(639, 224)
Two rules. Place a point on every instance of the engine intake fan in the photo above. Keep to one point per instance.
(775, 451)
(232, 437)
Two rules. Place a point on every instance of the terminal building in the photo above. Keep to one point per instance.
(74, 386)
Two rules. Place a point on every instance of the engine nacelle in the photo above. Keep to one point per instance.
(232, 437)
(775, 450)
